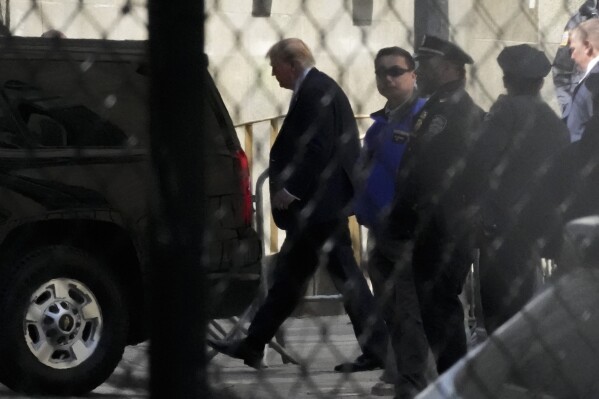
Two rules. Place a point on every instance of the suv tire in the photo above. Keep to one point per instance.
(64, 322)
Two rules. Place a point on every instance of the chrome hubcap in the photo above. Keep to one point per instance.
(63, 323)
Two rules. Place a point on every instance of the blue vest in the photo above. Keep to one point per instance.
(383, 147)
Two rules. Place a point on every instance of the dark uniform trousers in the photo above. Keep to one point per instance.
(303, 250)
(422, 308)
(508, 277)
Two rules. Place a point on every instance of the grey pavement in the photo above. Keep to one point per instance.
(318, 343)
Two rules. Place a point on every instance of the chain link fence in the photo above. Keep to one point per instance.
(114, 189)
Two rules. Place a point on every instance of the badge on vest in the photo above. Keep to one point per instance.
(400, 137)
(421, 118)
(437, 124)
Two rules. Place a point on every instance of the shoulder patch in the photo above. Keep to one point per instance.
(437, 124)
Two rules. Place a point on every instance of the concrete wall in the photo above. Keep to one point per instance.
(236, 41)
(485, 27)
(94, 19)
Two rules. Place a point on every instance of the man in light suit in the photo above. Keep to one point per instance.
(584, 46)
(311, 184)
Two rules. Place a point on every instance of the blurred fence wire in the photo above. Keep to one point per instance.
(132, 138)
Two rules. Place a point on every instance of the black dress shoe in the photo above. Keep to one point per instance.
(238, 349)
(362, 363)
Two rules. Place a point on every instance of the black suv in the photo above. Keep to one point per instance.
(75, 189)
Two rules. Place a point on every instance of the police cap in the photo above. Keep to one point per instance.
(524, 61)
(433, 46)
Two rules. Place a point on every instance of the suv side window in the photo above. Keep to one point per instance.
(70, 126)
(52, 121)
(9, 137)
(43, 130)
(47, 131)
(85, 128)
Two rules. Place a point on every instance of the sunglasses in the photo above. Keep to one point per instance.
(393, 71)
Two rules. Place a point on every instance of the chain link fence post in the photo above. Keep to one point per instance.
(178, 293)
(431, 18)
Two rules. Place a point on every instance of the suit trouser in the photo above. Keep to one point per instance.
(300, 255)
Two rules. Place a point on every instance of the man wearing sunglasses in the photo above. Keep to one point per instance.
(385, 140)
(427, 241)
(383, 147)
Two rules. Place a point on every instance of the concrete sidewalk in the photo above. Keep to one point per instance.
(318, 343)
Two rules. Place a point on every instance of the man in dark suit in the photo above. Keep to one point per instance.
(584, 46)
(565, 72)
(311, 185)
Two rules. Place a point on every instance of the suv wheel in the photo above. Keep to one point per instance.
(64, 322)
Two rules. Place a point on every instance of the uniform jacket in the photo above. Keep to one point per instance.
(430, 192)
(383, 147)
(518, 139)
(315, 153)
(585, 103)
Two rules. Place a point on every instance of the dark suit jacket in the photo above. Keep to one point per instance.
(315, 153)
(585, 103)
(565, 73)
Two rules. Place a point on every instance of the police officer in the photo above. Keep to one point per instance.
(428, 240)
(518, 137)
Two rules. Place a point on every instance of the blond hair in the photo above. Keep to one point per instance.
(293, 51)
